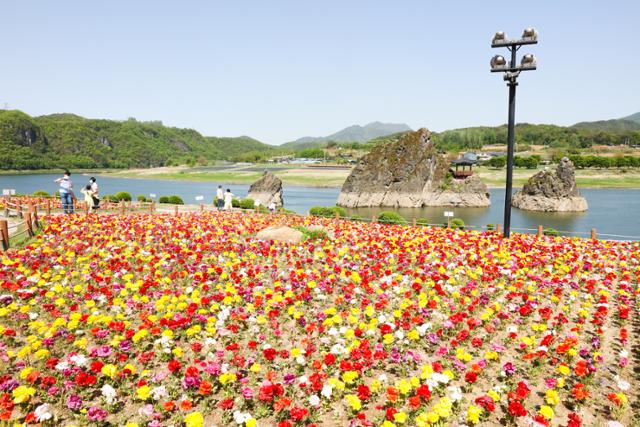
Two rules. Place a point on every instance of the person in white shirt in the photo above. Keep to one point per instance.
(272, 207)
(66, 192)
(219, 197)
(228, 200)
(94, 190)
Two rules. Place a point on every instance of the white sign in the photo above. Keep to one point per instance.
(448, 214)
(152, 195)
(8, 192)
(199, 198)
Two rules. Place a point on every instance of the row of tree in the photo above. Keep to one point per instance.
(580, 162)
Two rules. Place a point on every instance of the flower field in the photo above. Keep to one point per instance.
(188, 320)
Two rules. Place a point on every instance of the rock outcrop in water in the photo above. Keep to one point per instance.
(409, 173)
(547, 191)
(267, 189)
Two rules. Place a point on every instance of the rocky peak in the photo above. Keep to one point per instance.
(560, 184)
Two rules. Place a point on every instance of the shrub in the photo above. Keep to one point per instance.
(247, 204)
(550, 232)
(142, 198)
(235, 203)
(422, 221)
(312, 234)
(389, 217)
(163, 199)
(356, 218)
(122, 195)
(490, 227)
(41, 193)
(262, 209)
(176, 200)
(457, 223)
(327, 211)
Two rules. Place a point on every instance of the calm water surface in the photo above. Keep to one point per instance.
(611, 211)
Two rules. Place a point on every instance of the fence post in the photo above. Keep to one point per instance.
(85, 208)
(498, 228)
(129, 203)
(374, 219)
(48, 208)
(19, 209)
(4, 233)
(594, 236)
(414, 222)
(34, 215)
(540, 230)
(28, 223)
(201, 207)
(122, 208)
(176, 209)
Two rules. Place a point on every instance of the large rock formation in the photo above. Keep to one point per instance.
(267, 189)
(551, 192)
(280, 234)
(409, 173)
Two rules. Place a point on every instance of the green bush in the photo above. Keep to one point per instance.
(356, 218)
(235, 203)
(176, 200)
(311, 234)
(457, 223)
(142, 198)
(163, 199)
(262, 209)
(122, 195)
(41, 193)
(389, 217)
(490, 227)
(550, 232)
(247, 204)
(327, 211)
(422, 221)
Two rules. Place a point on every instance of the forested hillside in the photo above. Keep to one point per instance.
(70, 141)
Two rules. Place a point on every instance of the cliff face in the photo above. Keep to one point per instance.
(408, 173)
(551, 192)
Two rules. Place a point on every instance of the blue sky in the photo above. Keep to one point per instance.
(279, 70)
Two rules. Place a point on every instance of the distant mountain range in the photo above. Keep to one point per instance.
(70, 141)
(355, 133)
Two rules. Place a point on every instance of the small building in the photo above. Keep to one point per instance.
(462, 168)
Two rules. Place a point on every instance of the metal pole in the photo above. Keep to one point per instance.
(510, 145)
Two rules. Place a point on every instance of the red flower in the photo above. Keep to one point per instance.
(226, 404)
(574, 420)
(516, 409)
(363, 392)
(96, 366)
(329, 359)
(424, 392)
(269, 354)
(471, 377)
(486, 402)
(297, 413)
(174, 366)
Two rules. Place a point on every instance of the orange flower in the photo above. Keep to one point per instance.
(205, 388)
(169, 406)
(579, 392)
(392, 394)
(186, 405)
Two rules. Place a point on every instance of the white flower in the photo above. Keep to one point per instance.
(624, 353)
(33, 316)
(326, 391)
(109, 393)
(314, 400)
(455, 393)
(399, 334)
(614, 424)
(159, 392)
(622, 384)
(43, 413)
(383, 378)
(61, 366)
(300, 360)
(79, 360)
(240, 417)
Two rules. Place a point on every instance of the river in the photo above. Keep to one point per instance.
(612, 212)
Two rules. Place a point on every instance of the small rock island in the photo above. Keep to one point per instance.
(267, 189)
(410, 173)
(547, 191)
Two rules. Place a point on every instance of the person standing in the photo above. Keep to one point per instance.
(228, 200)
(94, 190)
(88, 197)
(219, 197)
(66, 192)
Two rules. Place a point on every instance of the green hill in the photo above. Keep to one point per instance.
(634, 117)
(355, 133)
(71, 141)
(616, 125)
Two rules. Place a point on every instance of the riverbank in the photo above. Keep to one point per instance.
(333, 177)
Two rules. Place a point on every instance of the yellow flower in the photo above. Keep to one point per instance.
(23, 394)
(349, 376)
(109, 370)
(546, 412)
(551, 397)
(473, 414)
(400, 417)
(353, 401)
(194, 419)
(130, 424)
(143, 392)
(564, 370)
(494, 395)
(251, 422)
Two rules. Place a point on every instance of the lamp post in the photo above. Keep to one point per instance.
(511, 72)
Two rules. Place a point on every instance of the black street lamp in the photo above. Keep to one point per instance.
(511, 72)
